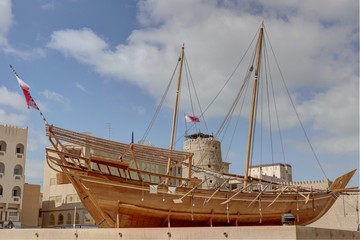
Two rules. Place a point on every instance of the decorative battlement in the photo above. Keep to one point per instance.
(319, 184)
(12, 130)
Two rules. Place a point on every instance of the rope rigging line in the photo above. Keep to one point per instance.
(222, 88)
(236, 125)
(231, 75)
(269, 112)
(297, 114)
(228, 116)
(196, 95)
(189, 90)
(276, 112)
(160, 104)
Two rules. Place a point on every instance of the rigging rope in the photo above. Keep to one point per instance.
(160, 104)
(277, 116)
(231, 75)
(297, 114)
(196, 95)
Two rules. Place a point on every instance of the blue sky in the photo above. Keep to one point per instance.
(102, 67)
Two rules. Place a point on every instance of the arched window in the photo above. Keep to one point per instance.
(20, 148)
(1, 190)
(16, 192)
(77, 219)
(2, 168)
(68, 219)
(2, 146)
(18, 170)
(60, 219)
(52, 219)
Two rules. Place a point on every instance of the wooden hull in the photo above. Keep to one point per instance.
(129, 204)
(118, 195)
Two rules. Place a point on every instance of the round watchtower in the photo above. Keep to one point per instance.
(207, 157)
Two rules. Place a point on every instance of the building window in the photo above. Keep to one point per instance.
(71, 198)
(2, 146)
(1, 191)
(58, 199)
(52, 219)
(88, 219)
(18, 170)
(60, 219)
(13, 214)
(179, 170)
(77, 218)
(16, 192)
(20, 148)
(68, 219)
(52, 181)
(2, 169)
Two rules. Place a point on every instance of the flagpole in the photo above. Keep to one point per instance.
(41, 114)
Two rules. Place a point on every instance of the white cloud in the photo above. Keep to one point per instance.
(81, 87)
(12, 99)
(12, 107)
(58, 98)
(315, 46)
(6, 20)
(139, 110)
(48, 5)
(15, 119)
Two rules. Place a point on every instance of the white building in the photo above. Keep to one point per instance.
(13, 142)
(277, 172)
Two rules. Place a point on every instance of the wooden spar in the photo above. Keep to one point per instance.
(237, 193)
(218, 189)
(251, 123)
(181, 59)
(278, 196)
(179, 200)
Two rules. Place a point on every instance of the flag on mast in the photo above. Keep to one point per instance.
(190, 118)
(26, 90)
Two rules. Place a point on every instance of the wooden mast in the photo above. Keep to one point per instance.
(252, 112)
(176, 104)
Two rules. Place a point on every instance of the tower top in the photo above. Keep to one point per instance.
(198, 135)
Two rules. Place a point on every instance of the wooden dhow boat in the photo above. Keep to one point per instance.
(137, 185)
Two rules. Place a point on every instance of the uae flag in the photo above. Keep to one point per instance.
(26, 90)
(190, 118)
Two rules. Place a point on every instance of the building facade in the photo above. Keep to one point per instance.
(61, 206)
(277, 172)
(13, 143)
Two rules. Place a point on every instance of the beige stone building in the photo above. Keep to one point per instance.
(30, 214)
(206, 159)
(272, 172)
(344, 214)
(13, 142)
(61, 206)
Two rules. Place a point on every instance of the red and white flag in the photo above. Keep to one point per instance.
(26, 90)
(190, 118)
